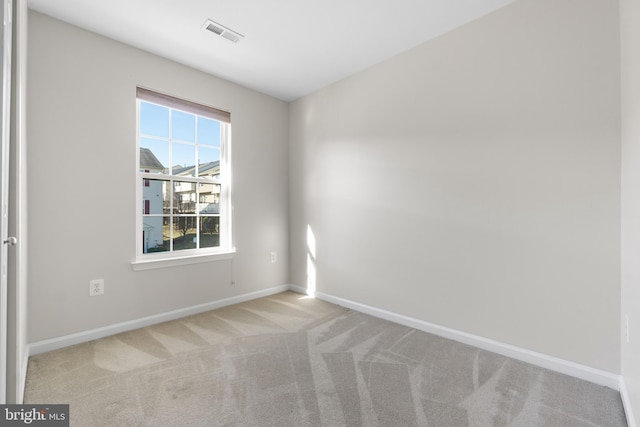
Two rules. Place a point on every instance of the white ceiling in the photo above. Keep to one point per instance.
(291, 47)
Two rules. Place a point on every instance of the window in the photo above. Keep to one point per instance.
(183, 178)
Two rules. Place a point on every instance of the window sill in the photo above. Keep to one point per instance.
(149, 263)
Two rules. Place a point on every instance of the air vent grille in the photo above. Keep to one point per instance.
(215, 29)
(222, 31)
(231, 36)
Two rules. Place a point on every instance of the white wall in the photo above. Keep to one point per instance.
(474, 181)
(82, 150)
(630, 38)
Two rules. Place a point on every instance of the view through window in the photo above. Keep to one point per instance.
(183, 170)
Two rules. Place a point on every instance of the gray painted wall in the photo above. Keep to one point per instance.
(82, 127)
(471, 182)
(474, 181)
(630, 37)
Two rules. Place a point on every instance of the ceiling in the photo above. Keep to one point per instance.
(290, 47)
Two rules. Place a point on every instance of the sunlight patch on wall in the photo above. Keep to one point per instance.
(311, 262)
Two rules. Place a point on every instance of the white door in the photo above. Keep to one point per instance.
(5, 45)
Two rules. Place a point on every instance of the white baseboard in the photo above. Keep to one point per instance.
(549, 362)
(299, 289)
(626, 402)
(93, 334)
(545, 361)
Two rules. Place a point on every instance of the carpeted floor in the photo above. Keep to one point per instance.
(289, 360)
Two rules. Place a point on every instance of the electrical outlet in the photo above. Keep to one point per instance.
(626, 327)
(274, 257)
(96, 287)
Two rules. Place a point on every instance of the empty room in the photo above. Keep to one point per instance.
(271, 213)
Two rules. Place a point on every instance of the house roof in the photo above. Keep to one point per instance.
(203, 169)
(148, 160)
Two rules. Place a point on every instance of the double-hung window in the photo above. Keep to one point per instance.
(184, 206)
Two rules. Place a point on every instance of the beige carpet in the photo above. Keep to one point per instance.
(289, 360)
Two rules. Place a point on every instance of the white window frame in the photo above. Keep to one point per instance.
(225, 250)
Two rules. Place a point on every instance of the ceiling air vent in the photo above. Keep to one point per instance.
(222, 31)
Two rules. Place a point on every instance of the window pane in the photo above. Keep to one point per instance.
(177, 146)
(183, 126)
(154, 120)
(166, 190)
(153, 196)
(209, 199)
(184, 232)
(208, 162)
(154, 236)
(209, 231)
(208, 132)
(154, 155)
(184, 159)
(184, 197)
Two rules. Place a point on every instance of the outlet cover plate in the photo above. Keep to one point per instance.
(96, 287)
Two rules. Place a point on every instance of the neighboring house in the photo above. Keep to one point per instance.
(187, 200)
(152, 201)
(208, 201)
